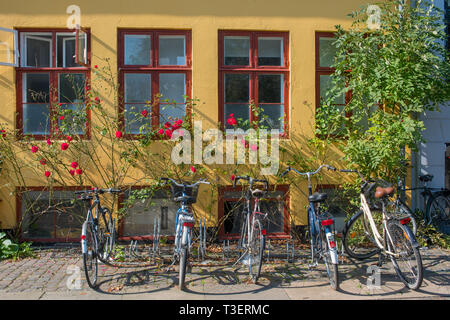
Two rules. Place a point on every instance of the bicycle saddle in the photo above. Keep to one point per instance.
(318, 197)
(426, 177)
(381, 192)
(258, 193)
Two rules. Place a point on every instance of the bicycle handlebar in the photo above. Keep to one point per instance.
(251, 181)
(98, 191)
(183, 184)
(308, 173)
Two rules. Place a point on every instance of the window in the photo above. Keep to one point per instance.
(153, 63)
(50, 78)
(254, 68)
(50, 215)
(141, 217)
(230, 212)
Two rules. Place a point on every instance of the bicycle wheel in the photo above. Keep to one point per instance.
(332, 269)
(184, 255)
(407, 262)
(90, 256)
(256, 250)
(357, 238)
(107, 236)
(438, 212)
(313, 236)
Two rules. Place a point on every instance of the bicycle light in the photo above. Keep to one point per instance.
(327, 222)
(405, 220)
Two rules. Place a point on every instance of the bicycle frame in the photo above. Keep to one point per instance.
(183, 225)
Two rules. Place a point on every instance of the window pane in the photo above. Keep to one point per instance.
(82, 47)
(271, 116)
(237, 88)
(36, 87)
(169, 112)
(38, 220)
(237, 51)
(36, 50)
(270, 88)
(327, 51)
(325, 84)
(134, 119)
(71, 87)
(137, 49)
(75, 119)
(69, 216)
(172, 86)
(270, 51)
(65, 57)
(172, 50)
(241, 112)
(140, 218)
(36, 119)
(138, 87)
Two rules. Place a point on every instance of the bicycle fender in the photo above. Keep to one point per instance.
(83, 238)
(333, 251)
(411, 236)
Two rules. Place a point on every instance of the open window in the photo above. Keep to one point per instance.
(81, 44)
(9, 51)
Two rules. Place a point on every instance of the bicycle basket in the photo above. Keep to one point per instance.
(190, 193)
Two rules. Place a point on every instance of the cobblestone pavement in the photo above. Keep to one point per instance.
(49, 275)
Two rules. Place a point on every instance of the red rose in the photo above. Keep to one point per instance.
(167, 125)
(69, 138)
(96, 66)
(193, 169)
(161, 131)
(233, 177)
(61, 118)
(97, 100)
(169, 133)
(47, 173)
(118, 134)
(64, 146)
(43, 162)
(72, 172)
(74, 164)
(144, 113)
(34, 149)
(79, 171)
(4, 134)
(49, 142)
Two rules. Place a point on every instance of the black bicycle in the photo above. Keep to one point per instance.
(321, 229)
(437, 204)
(97, 236)
(253, 234)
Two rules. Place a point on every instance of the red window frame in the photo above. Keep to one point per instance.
(53, 82)
(154, 69)
(21, 190)
(273, 235)
(254, 71)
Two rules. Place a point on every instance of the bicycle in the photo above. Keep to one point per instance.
(322, 230)
(362, 239)
(186, 194)
(97, 240)
(436, 204)
(253, 235)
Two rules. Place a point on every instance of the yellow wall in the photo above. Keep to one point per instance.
(300, 18)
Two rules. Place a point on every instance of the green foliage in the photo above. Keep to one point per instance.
(428, 235)
(11, 250)
(394, 73)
